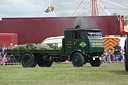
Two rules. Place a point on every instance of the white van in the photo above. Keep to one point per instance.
(53, 40)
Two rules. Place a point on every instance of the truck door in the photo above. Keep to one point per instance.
(82, 41)
(70, 41)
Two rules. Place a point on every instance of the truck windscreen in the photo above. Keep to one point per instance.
(95, 35)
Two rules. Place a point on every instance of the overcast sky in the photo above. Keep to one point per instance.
(36, 8)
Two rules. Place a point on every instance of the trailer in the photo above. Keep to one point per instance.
(8, 38)
(78, 45)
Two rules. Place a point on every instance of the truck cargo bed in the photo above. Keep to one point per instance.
(33, 51)
(34, 48)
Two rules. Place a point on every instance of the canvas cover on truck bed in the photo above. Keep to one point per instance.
(34, 48)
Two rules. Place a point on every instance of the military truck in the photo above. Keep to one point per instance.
(78, 45)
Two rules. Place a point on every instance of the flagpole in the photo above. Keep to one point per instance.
(50, 8)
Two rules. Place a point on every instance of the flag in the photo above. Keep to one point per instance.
(47, 10)
(121, 26)
(50, 8)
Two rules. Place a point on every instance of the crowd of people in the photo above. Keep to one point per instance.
(6, 59)
(114, 55)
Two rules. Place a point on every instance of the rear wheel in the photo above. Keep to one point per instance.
(77, 60)
(41, 63)
(95, 63)
(28, 60)
(126, 54)
(49, 63)
(44, 63)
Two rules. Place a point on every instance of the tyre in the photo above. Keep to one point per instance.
(41, 63)
(49, 63)
(28, 60)
(77, 60)
(126, 54)
(95, 63)
(44, 63)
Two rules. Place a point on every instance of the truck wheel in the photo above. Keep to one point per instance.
(48, 63)
(41, 62)
(77, 60)
(28, 61)
(126, 54)
(44, 63)
(95, 63)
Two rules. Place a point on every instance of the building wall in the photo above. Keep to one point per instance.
(35, 30)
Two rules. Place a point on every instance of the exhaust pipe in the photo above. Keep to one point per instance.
(77, 27)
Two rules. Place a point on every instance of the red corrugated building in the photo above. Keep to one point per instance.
(35, 30)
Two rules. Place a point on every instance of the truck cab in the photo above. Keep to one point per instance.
(87, 43)
(84, 40)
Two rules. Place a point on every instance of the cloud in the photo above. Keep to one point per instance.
(22, 7)
(64, 12)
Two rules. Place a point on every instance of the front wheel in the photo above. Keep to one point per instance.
(28, 60)
(95, 63)
(77, 60)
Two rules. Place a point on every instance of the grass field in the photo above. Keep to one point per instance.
(64, 74)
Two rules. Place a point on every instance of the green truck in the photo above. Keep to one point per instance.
(78, 45)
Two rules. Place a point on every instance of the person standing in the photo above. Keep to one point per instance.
(3, 60)
(108, 56)
(105, 57)
(0, 54)
(111, 56)
(2, 49)
(122, 59)
(117, 52)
